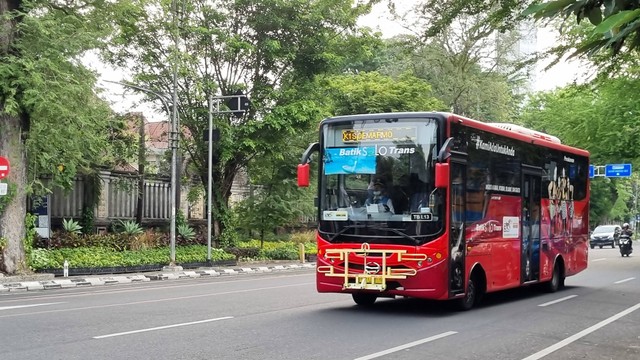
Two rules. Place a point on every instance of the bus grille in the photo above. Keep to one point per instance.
(375, 272)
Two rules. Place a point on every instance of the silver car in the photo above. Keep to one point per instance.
(604, 235)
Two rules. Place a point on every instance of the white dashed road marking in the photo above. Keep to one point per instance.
(161, 327)
(406, 346)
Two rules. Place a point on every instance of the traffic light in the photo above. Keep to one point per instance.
(239, 103)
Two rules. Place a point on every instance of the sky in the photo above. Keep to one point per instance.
(126, 100)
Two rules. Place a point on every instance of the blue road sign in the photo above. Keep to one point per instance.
(617, 170)
(592, 171)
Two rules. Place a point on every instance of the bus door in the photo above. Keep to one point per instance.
(457, 201)
(530, 241)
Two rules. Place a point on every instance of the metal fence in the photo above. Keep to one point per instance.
(118, 199)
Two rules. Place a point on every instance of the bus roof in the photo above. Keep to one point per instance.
(509, 130)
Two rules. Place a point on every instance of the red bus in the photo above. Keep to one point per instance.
(438, 206)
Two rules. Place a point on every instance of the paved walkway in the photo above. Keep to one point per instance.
(48, 281)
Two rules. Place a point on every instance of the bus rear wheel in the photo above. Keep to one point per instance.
(364, 299)
(557, 279)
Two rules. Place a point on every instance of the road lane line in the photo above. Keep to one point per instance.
(27, 306)
(155, 300)
(600, 259)
(624, 280)
(557, 301)
(542, 353)
(162, 327)
(406, 346)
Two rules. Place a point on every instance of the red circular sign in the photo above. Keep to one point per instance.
(4, 167)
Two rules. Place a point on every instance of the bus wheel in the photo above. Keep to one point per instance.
(556, 280)
(364, 299)
(470, 296)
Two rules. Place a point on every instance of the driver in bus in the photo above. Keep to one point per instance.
(380, 196)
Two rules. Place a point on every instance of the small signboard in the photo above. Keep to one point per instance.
(617, 170)
(4, 189)
(40, 208)
(4, 167)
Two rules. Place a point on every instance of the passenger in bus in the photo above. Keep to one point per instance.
(380, 196)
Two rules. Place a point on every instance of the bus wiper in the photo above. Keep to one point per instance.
(344, 229)
(401, 233)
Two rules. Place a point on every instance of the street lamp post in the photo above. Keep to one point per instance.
(174, 158)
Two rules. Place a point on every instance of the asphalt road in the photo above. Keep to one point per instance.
(280, 316)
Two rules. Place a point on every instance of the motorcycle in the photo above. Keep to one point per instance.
(625, 245)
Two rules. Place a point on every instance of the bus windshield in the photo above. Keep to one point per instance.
(377, 181)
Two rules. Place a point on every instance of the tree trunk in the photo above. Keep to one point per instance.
(12, 229)
(12, 217)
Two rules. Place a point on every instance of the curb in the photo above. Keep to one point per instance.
(65, 283)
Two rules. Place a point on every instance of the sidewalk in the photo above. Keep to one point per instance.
(48, 281)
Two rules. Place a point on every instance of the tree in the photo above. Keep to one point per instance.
(51, 121)
(472, 60)
(456, 76)
(368, 93)
(616, 23)
(264, 48)
(602, 118)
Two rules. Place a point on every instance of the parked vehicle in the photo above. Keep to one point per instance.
(625, 245)
(605, 235)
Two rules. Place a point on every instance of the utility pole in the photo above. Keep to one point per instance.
(174, 137)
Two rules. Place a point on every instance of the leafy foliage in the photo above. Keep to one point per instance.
(268, 49)
(104, 257)
(130, 227)
(364, 93)
(186, 231)
(599, 117)
(616, 23)
(53, 121)
(71, 226)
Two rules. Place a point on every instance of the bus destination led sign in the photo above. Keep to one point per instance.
(393, 134)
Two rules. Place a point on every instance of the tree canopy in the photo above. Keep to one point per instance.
(51, 120)
(267, 49)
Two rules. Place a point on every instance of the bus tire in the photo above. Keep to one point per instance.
(364, 299)
(470, 296)
(557, 280)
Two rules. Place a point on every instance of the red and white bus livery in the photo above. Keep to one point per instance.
(437, 206)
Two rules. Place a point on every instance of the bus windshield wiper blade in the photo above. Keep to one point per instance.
(401, 233)
(344, 229)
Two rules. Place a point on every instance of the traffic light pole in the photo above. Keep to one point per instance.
(241, 108)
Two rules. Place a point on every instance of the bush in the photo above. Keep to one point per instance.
(289, 252)
(96, 257)
(130, 228)
(248, 253)
(71, 226)
(303, 237)
(186, 232)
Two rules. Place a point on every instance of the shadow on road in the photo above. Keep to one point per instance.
(439, 309)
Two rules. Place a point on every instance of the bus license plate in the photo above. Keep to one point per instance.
(421, 217)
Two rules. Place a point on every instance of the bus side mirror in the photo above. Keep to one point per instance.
(442, 175)
(303, 167)
(303, 175)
